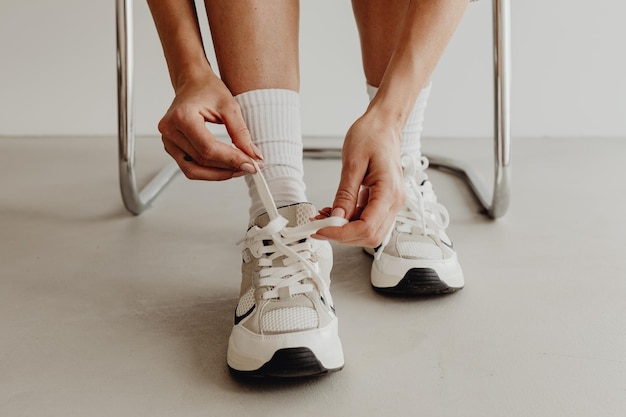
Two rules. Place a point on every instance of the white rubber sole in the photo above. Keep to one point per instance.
(389, 271)
(249, 352)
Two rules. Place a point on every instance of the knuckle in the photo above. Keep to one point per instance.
(178, 114)
(243, 133)
(232, 161)
(164, 126)
(190, 173)
(230, 107)
(167, 149)
(207, 154)
(344, 194)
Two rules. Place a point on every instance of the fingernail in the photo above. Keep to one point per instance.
(319, 237)
(338, 212)
(249, 168)
(257, 152)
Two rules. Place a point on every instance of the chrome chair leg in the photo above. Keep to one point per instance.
(136, 201)
(494, 202)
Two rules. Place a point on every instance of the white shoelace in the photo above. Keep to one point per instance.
(421, 211)
(294, 244)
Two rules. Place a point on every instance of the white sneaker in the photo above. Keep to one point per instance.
(417, 256)
(285, 322)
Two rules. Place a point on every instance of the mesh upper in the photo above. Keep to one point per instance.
(304, 213)
(418, 250)
(289, 319)
(245, 302)
(292, 314)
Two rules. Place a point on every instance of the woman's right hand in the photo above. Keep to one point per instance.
(195, 149)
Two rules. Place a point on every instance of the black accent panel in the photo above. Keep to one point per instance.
(238, 319)
(289, 363)
(419, 281)
(450, 245)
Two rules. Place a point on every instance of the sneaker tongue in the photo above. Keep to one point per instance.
(297, 215)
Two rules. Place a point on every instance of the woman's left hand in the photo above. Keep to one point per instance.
(371, 190)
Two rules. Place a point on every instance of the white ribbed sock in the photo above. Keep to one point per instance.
(273, 118)
(412, 132)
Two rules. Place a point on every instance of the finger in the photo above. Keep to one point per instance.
(239, 133)
(226, 156)
(352, 174)
(325, 211)
(362, 199)
(193, 170)
(208, 150)
(384, 229)
(380, 213)
(170, 128)
(350, 234)
(178, 140)
(356, 233)
(358, 211)
(370, 229)
(364, 196)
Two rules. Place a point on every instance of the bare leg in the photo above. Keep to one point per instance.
(380, 25)
(256, 43)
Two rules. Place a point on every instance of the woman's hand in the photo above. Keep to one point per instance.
(194, 148)
(371, 189)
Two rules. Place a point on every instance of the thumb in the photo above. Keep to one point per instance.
(239, 133)
(347, 194)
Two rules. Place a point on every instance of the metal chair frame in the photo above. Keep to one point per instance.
(494, 202)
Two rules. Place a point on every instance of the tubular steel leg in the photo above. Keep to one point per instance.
(135, 201)
(496, 202)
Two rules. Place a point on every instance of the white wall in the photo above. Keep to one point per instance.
(57, 70)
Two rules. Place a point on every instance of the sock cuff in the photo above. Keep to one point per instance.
(371, 90)
(273, 119)
(268, 96)
(272, 116)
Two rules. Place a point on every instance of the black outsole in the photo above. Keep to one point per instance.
(288, 363)
(419, 281)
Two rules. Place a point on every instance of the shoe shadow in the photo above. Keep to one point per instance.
(200, 327)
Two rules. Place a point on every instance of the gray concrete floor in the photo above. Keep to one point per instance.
(106, 314)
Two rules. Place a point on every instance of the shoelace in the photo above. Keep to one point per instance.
(421, 210)
(293, 244)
